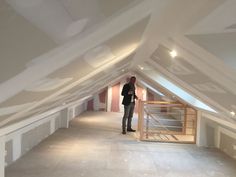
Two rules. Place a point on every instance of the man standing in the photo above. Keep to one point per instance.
(128, 92)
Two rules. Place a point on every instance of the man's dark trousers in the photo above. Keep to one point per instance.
(128, 114)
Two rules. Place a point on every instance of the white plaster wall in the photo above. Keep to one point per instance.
(79, 109)
(209, 134)
(96, 102)
(27, 136)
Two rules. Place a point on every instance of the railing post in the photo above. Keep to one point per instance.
(185, 120)
(139, 115)
(147, 126)
(140, 118)
(195, 125)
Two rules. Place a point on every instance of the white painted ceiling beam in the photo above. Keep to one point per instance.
(218, 21)
(219, 119)
(169, 19)
(66, 88)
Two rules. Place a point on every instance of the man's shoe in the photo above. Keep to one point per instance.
(131, 130)
(123, 132)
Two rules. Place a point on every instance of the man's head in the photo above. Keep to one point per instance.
(132, 80)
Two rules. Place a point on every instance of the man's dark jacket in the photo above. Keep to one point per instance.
(127, 97)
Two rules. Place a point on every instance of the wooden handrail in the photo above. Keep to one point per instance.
(158, 102)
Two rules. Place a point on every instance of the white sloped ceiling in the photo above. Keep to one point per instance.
(57, 52)
(67, 69)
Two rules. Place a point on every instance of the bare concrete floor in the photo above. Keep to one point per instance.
(93, 146)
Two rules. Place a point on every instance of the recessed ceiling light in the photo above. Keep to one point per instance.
(141, 67)
(232, 113)
(173, 53)
(123, 70)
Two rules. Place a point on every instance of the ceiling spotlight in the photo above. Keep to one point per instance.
(232, 113)
(123, 70)
(173, 53)
(141, 67)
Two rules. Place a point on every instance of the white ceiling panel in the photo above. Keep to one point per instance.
(222, 45)
(58, 51)
(20, 42)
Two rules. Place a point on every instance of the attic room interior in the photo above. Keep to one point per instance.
(63, 64)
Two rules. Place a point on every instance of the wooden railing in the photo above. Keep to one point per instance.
(167, 122)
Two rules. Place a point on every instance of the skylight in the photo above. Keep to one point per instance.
(151, 88)
(180, 92)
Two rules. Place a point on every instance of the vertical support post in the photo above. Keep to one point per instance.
(109, 96)
(73, 112)
(139, 115)
(147, 125)
(195, 125)
(2, 156)
(141, 119)
(16, 147)
(201, 130)
(185, 120)
(52, 126)
(65, 118)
